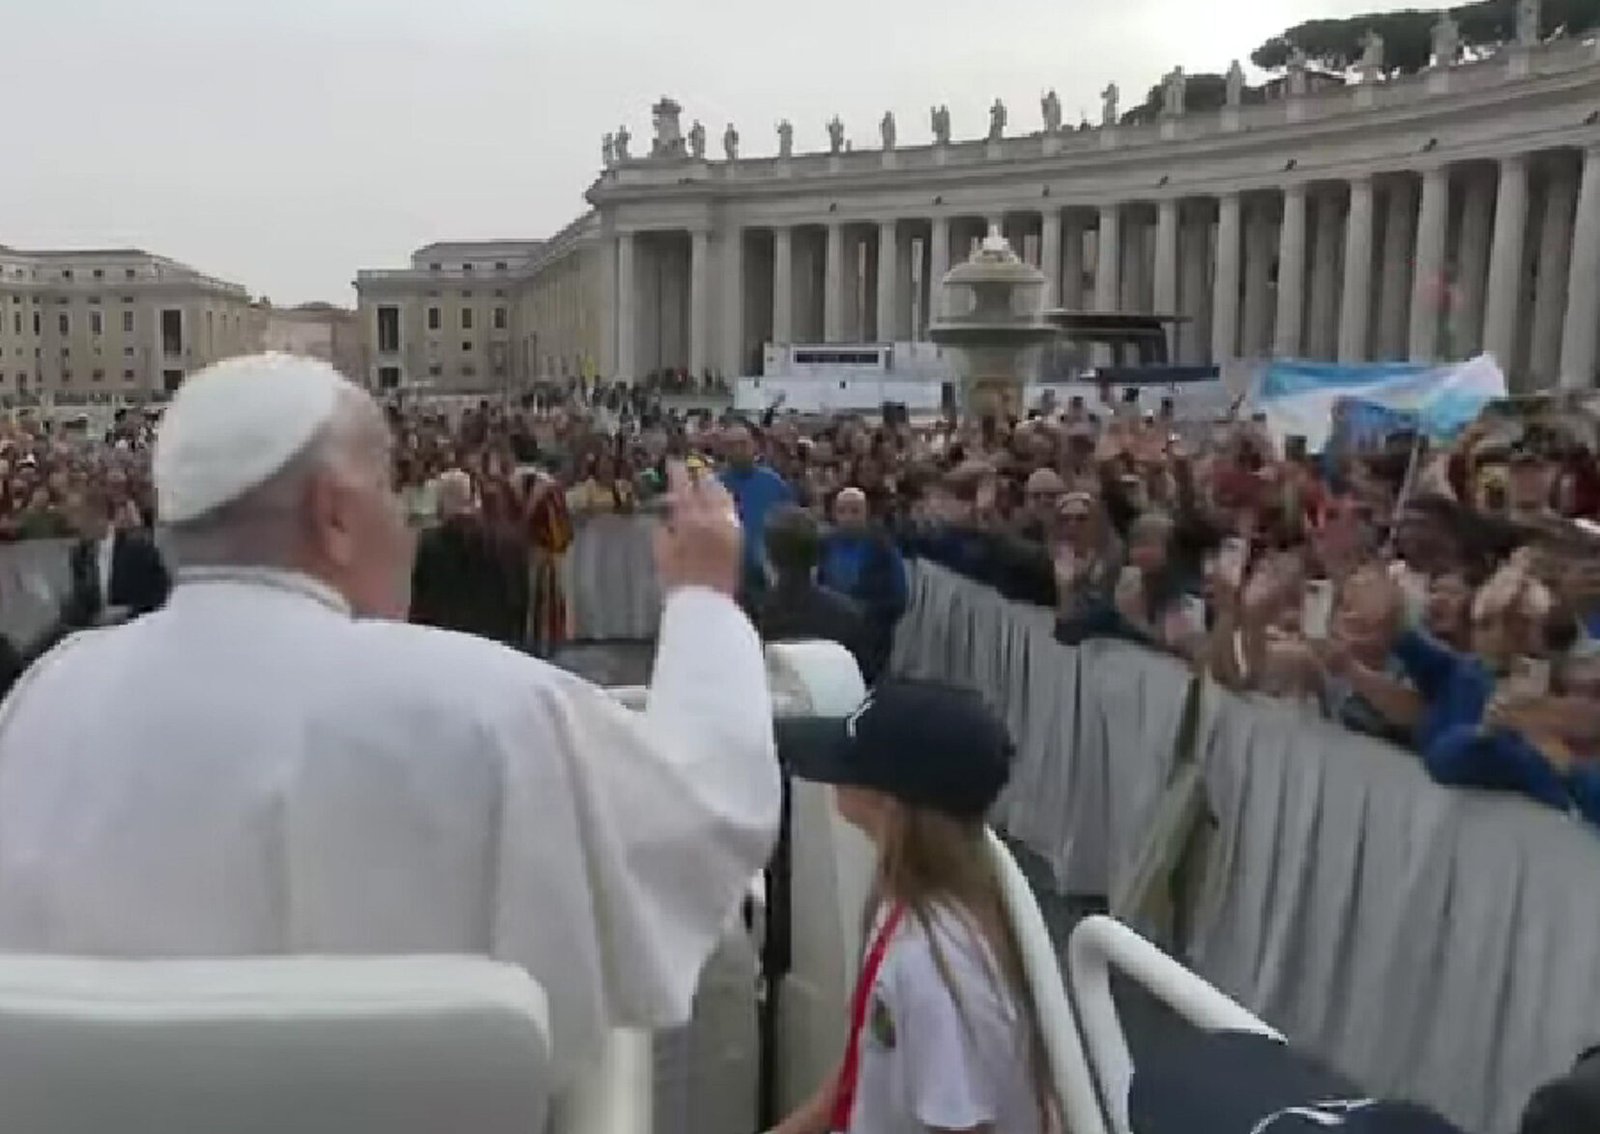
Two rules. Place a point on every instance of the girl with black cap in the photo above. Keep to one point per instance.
(944, 1034)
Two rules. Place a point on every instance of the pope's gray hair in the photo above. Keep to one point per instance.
(263, 527)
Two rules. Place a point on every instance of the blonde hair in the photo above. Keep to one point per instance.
(929, 859)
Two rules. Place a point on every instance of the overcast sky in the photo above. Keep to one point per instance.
(285, 143)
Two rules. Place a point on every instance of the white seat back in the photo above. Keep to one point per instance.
(1097, 946)
(831, 872)
(1069, 1067)
(402, 1045)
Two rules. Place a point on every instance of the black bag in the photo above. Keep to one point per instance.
(1243, 1083)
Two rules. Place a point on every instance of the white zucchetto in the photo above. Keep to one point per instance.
(233, 426)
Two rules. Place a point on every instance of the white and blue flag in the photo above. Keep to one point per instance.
(1438, 401)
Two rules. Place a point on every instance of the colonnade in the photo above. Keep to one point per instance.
(1434, 261)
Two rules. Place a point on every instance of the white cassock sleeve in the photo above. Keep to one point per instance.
(668, 815)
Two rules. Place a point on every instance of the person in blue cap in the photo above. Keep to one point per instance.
(944, 1034)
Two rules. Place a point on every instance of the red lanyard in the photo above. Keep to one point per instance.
(844, 1097)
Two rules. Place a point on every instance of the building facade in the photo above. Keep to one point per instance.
(1426, 217)
(453, 320)
(109, 325)
(314, 330)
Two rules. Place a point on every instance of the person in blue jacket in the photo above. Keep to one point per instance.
(756, 491)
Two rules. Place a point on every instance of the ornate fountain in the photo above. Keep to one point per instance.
(992, 314)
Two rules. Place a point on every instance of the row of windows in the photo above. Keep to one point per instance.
(436, 318)
(467, 371)
(467, 293)
(499, 266)
(66, 376)
(97, 323)
(66, 273)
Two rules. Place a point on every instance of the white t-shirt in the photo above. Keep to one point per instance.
(927, 1063)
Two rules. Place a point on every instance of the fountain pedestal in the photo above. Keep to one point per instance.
(992, 317)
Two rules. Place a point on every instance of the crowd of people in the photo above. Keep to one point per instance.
(1442, 597)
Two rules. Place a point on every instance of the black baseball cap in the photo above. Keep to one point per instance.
(925, 743)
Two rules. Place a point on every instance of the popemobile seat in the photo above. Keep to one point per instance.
(308, 1045)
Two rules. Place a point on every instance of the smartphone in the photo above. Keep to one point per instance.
(1232, 559)
(1317, 609)
(1530, 677)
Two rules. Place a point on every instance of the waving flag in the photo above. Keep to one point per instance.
(1300, 397)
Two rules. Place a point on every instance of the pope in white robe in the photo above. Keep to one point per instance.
(267, 766)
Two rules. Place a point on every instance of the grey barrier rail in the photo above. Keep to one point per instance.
(608, 575)
(1436, 944)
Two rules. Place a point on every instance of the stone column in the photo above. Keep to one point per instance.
(1580, 334)
(1260, 247)
(888, 277)
(1472, 267)
(627, 330)
(1505, 262)
(1050, 256)
(1108, 260)
(783, 286)
(1194, 287)
(938, 265)
(1165, 297)
(1356, 300)
(607, 362)
(1394, 292)
(1225, 287)
(699, 308)
(1555, 254)
(1291, 273)
(732, 284)
(833, 286)
(1072, 264)
(1426, 285)
(1322, 337)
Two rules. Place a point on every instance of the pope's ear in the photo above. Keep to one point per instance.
(327, 518)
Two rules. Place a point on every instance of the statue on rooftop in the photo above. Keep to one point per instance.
(697, 140)
(997, 121)
(887, 129)
(1371, 56)
(1050, 108)
(608, 151)
(785, 139)
(1528, 19)
(621, 143)
(1446, 40)
(1174, 93)
(1298, 65)
(668, 142)
(836, 135)
(730, 143)
(941, 125)
(1234, 91)
(1108, 105)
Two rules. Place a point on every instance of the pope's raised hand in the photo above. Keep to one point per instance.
(700, 543)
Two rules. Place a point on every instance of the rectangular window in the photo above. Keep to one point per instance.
(468, 370)
(127, 376)
(127, 352)
(434, 319)
(128, 273)
(38, 328)
(435, 370)
(499, 318)
(99, 375)
(172, 332)
(16, 322)
(466, 267)
(500, 265)
(466, 318)
(466, 347)
(127, 322)
(64, 322)
(66, 273)
(99, 273)
(388, 330)
(96, 323)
